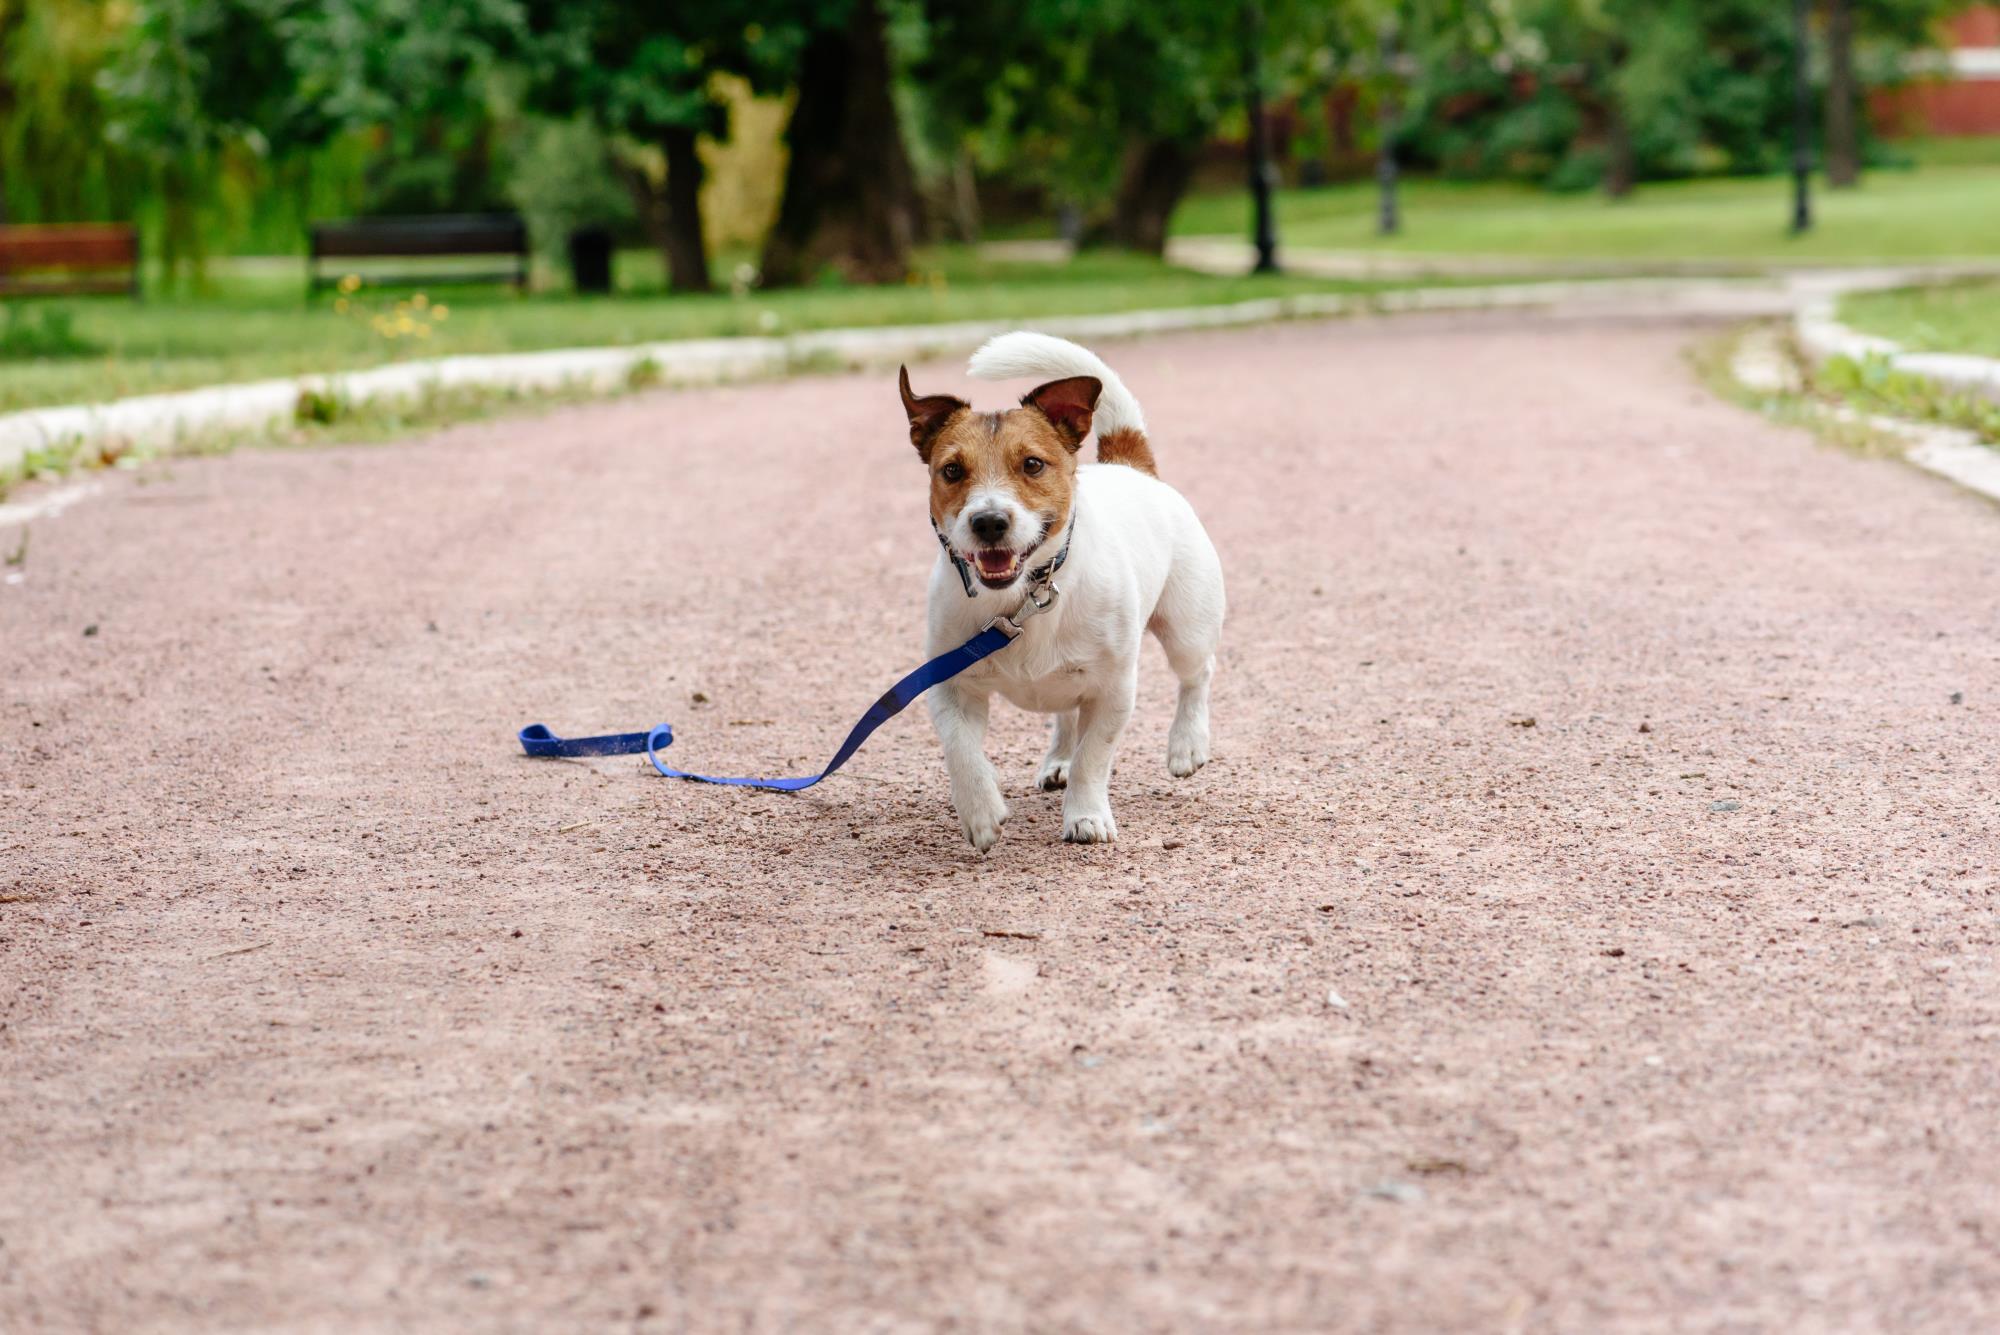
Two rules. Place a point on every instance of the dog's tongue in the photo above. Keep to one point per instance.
(995, 563)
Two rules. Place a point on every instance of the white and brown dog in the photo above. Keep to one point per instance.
(1019, 520)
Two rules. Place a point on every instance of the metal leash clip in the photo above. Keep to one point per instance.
(1038, 600)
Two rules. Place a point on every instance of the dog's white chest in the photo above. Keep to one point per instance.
(1051, 693)
(1043, 671)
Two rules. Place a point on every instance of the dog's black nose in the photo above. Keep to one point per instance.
(989, 526)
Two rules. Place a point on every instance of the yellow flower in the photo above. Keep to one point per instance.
(420, 301)
(351, 283)
(340, 305)
(440, 312)
(404, 324)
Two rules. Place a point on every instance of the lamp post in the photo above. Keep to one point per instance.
(1266, 233)
(1801, 117)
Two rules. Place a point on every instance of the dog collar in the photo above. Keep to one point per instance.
(1039, 575)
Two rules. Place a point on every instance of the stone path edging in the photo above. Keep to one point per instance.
(156, 421)
(149, 423)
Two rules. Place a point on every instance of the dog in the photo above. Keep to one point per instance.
(1083, 558)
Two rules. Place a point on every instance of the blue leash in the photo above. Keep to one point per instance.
(537, 740)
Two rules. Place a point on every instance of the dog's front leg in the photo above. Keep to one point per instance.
(1099, 721)
(960, 719)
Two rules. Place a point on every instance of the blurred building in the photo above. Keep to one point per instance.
(1958, 90)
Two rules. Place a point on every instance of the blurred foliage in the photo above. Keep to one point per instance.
(52, 115)
(629, 68)
(1695, 87)
(224, 125)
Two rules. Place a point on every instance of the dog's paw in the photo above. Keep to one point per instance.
(1184, 756)
(1089, 827)
(981, 815)
(1054, 775)
(1187, 748)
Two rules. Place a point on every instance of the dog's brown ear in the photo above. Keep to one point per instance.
(1068, 405)
(927, 415)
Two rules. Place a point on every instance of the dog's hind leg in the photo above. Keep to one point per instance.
(1187, 739)
(1188, 624)
(1062, 744)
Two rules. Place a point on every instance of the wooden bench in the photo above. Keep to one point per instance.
(491, 236)
(70, 259)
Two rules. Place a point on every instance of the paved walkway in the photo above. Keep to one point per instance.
(1630, 767)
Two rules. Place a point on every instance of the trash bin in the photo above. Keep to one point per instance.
(590, 259)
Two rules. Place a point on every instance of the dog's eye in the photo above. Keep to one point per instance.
(952, 473)
(1031, 465)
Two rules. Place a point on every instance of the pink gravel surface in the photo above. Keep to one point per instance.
(1624, 762)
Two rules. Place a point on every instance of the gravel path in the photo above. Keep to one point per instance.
(1626, 764)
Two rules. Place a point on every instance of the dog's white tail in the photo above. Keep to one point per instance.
(1121, 427)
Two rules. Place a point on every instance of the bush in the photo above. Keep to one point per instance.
(561, 178)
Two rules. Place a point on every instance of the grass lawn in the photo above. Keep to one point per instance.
(1943, 207)
(257, 324)
(1964, 317)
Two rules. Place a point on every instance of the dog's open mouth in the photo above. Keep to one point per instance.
(996, 567)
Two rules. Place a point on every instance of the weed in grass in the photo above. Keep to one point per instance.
(1872, 385)
(317, 407)
(644, 373)
(1713, 360)
(1839, 400)
(53, 460)
(27, 333)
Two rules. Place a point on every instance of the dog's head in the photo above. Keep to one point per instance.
(1002, 483)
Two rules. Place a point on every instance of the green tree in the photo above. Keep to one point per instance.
(646, 77)
(1409, 44)
(849, 198)
(1608, 92)
(1893, 26)
(1110, 104)
(53, 163)
(194, 80)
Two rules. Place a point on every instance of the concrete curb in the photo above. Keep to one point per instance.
(161, 421)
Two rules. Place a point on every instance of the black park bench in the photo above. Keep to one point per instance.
(497, 237)
(69, 259)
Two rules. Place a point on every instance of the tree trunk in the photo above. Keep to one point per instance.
(850, 196)
(965, 197)
(1155, 176)
(1843, 145)
(649, 201)
(1388, 216)
(687, 254)
(1606, 108)
(1621, 170)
